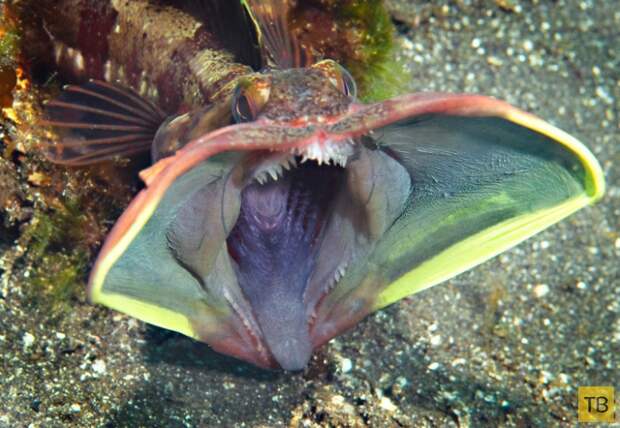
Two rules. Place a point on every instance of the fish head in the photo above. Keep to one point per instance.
(296, 97)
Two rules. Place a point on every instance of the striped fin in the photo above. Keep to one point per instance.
(99, 121)
(280, 46)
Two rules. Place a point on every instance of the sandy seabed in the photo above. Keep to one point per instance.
(505, 344)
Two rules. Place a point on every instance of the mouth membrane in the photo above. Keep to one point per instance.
(274, 246)
(280, 234)
(282, 221)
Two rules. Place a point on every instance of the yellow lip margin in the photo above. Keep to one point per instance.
(501, 237)
(124, 232)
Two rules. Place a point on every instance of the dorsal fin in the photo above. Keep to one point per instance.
(280, 47)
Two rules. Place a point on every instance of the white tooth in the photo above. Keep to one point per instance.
(279, 173)
(338, 274)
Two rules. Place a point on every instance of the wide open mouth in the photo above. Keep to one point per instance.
(281, 222)
(274, 233)
(301, 224)
(274, 245)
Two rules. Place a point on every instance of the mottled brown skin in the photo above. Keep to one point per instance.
(298, 93)
(168, 55)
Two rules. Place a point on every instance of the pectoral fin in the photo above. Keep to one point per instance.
(98, 121)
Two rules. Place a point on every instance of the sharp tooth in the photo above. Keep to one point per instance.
(338, 274)
(289, 163)
(326, 153)
(280, 171)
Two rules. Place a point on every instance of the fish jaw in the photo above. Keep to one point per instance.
(434, 184)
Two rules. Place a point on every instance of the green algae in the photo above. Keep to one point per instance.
(9, 42)
(58, 256)
(9, 47)
(58, 278)
(384, 80)
(359, 35)
(9, 39)
(374, 66)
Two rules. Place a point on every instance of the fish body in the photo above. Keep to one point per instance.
(174, 57)
(280, 210)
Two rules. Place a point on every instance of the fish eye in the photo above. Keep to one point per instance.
(242, 110)
(249, 99)
(338, 76)
(348, 83)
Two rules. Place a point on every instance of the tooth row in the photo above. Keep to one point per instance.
(322, 153)
(340, 271)
(274, 169)
(338, 275)
(251, 327)
(327, 153)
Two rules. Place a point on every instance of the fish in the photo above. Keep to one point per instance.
(280, 210)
